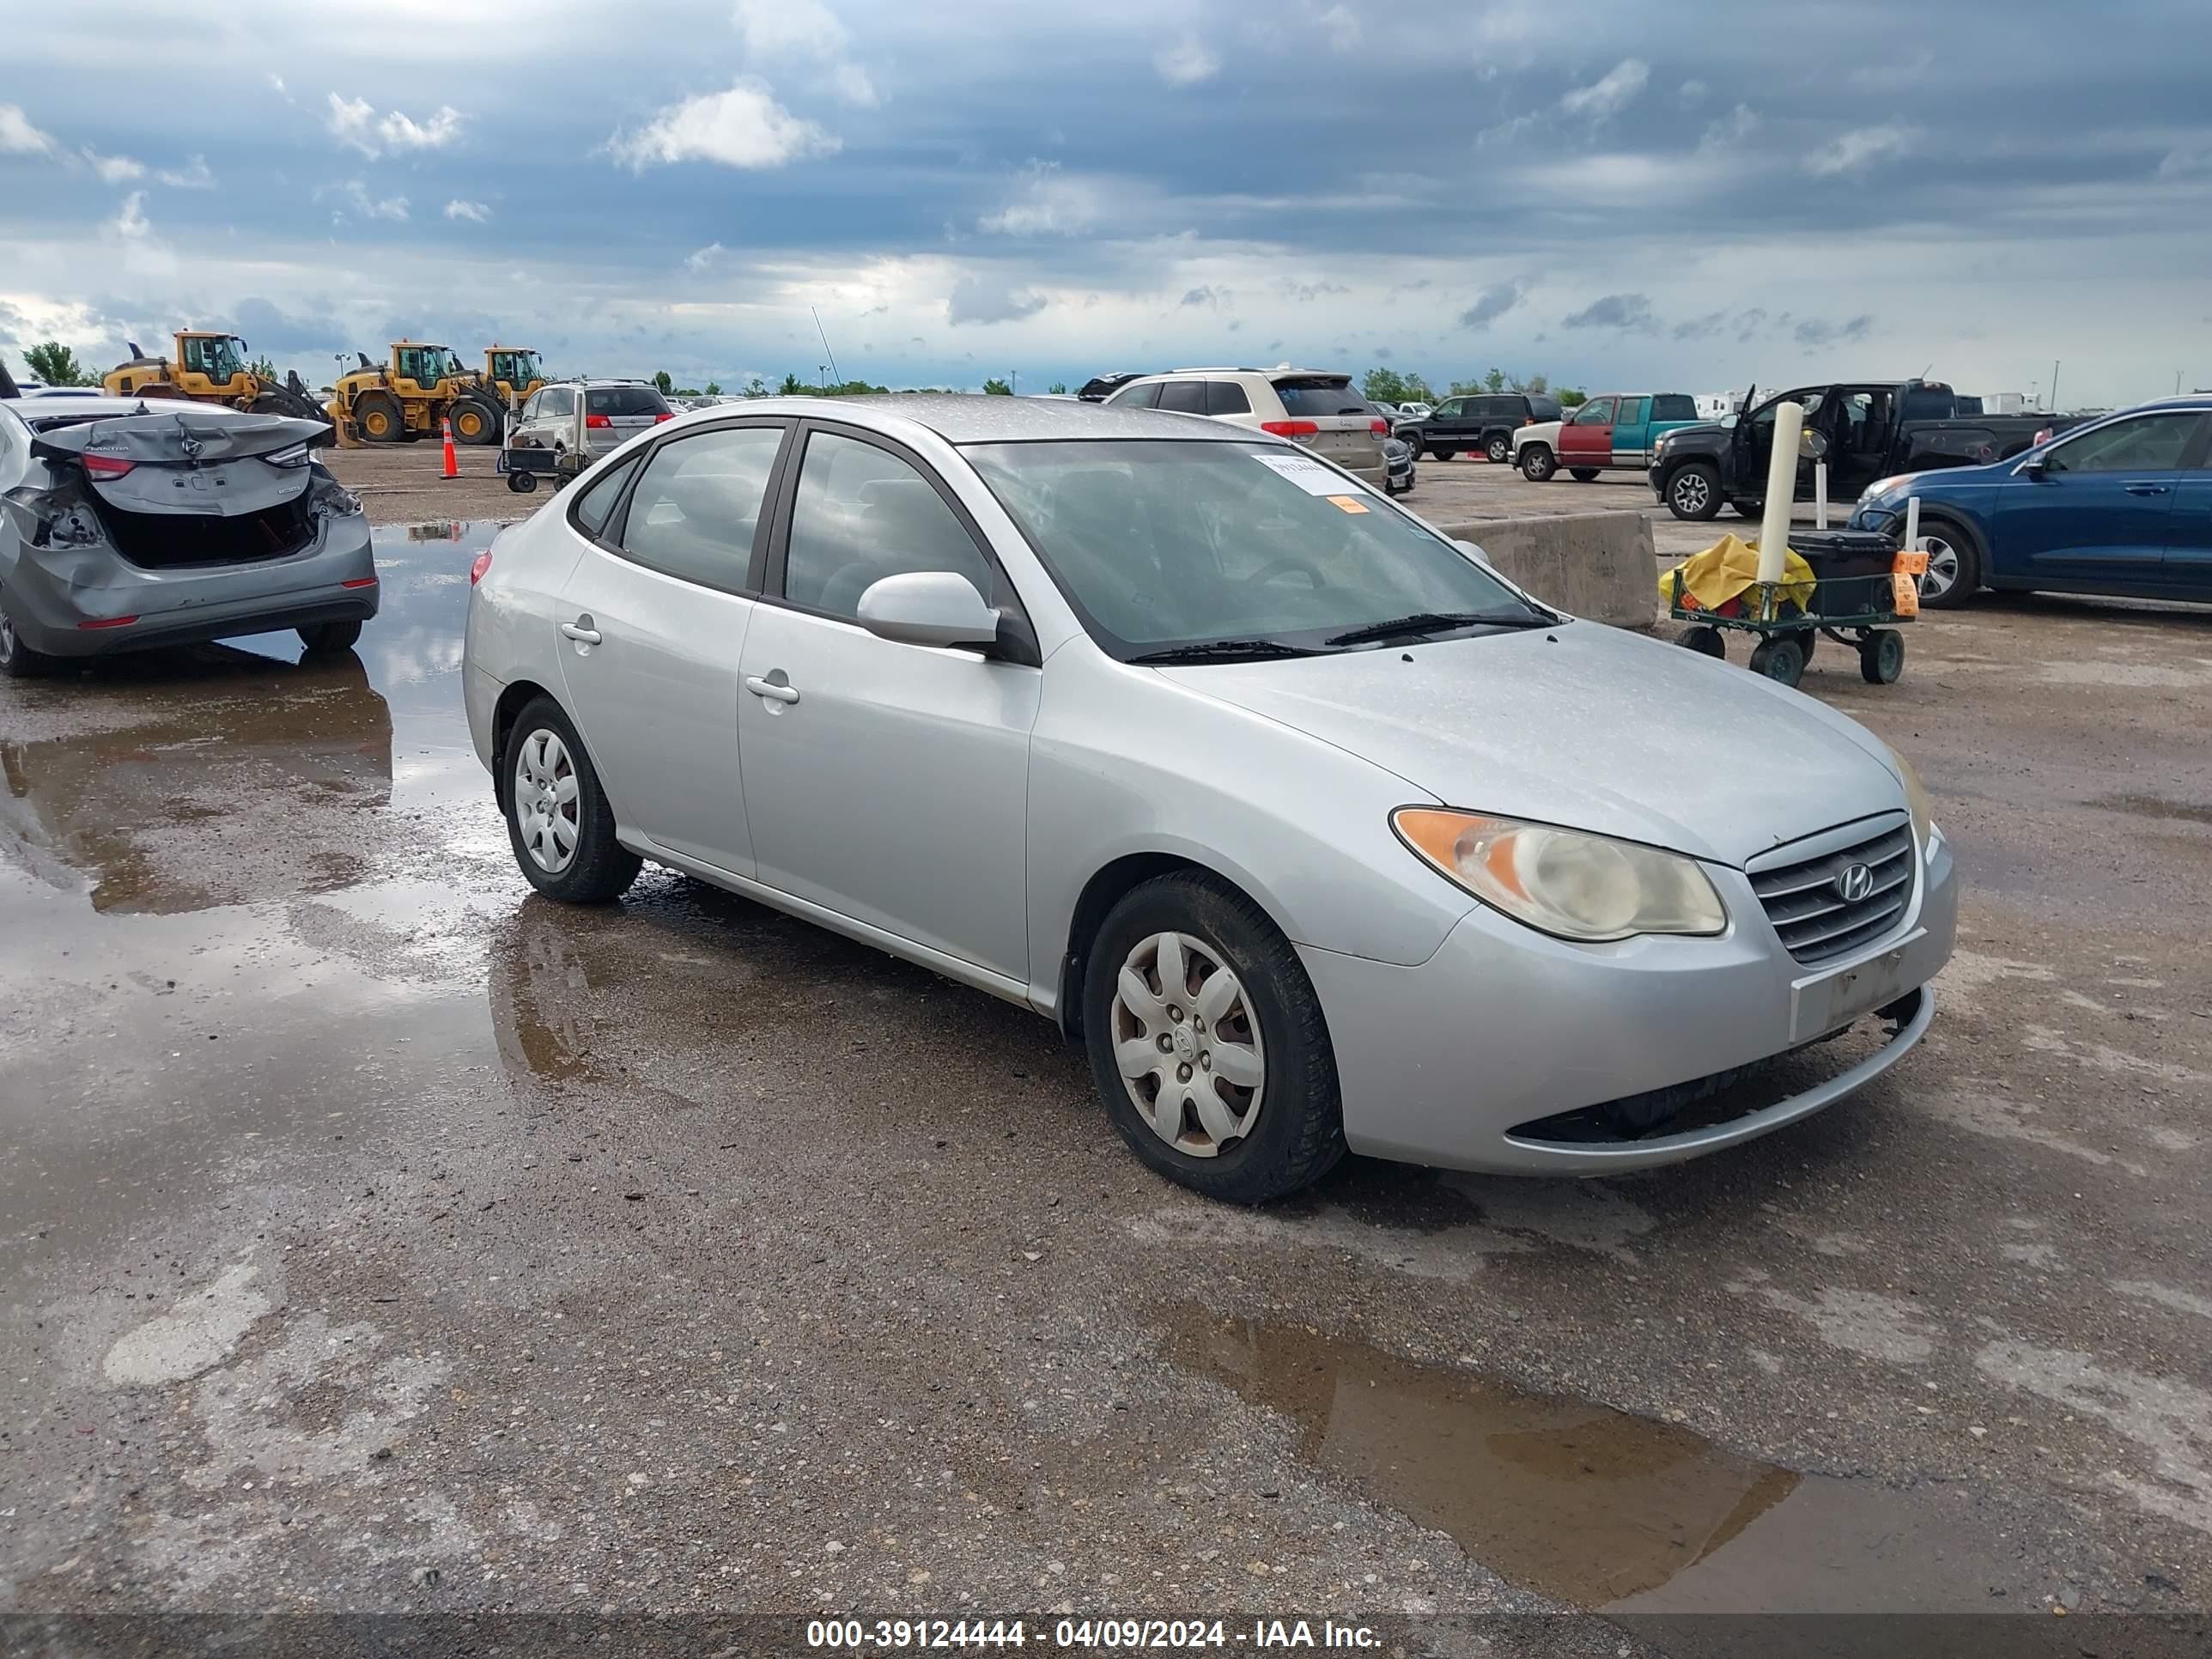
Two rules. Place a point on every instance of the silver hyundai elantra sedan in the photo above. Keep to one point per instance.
(1317, 833)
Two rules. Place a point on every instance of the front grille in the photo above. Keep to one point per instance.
(1815, 920)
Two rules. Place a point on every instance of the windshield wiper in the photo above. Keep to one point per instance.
(1254, 650)
(1431, 622)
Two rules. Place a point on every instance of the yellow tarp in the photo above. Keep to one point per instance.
(1729, 566)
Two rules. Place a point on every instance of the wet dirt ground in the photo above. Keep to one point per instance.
(374, 1235)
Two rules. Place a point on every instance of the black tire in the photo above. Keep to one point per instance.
(1780, 658)
(331, 636)
(1881, 656)
(1442, 452)
(376, 417)
(19, 661)
(522, 483)
(1967, 553)
(601, 867)
(1538, 463)
(1585, 474)
(1298, 1133)
(1498, 449)
(1694, 491)
(475, 413)
(1753, 511)
(1703, 639)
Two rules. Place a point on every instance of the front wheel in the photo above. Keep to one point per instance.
(331, 636)
(19, 661)
(558, 820)
(1538, 463)
(1693, 493)
(1882, 656)
(1954, 567)
(1442, 452)
(1585, 474)
(1780, 658)
(1207, 1042)
(1703, 639)
(1499, 449)
(475, 422)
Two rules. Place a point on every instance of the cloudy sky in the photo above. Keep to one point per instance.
(1687, 196)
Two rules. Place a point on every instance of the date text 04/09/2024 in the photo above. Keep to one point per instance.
(1108, 1635)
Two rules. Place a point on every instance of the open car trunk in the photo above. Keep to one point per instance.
(194, 487)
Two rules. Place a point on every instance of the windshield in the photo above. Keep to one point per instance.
(1160, 543)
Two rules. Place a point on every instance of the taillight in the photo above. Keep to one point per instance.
(1290, 428)
(476, 570)
(296, 456)
(664, 415)
(1379, 426)
(598, 422)
(106, 467)
(359, 582)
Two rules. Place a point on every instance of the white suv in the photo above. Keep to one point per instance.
(1323, 412)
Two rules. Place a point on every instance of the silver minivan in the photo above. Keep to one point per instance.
(581, 420)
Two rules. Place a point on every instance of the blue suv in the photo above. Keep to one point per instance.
(2122, 506)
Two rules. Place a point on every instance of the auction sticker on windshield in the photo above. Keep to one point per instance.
(1311, 475)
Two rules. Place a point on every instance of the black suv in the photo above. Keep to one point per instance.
(1482, 420)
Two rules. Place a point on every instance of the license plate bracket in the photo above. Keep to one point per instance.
(1833, 1001)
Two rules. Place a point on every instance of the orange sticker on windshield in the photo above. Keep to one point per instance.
(1346, 504)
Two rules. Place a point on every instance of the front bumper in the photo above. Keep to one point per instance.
(1455, 1062)
(54, 592)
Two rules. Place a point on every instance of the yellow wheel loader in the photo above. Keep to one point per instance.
(514, 372)
(208, 369)
(408, 398)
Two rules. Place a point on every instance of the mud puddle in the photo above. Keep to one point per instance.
(1601, 1510)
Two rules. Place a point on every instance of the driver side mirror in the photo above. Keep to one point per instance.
(2035, 465)
(928, 607)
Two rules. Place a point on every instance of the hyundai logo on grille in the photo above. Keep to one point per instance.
(1854, 883)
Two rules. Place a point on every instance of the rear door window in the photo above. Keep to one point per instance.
(590, 513)
(1137, 397)
(698, 505)
(1631, 412)
(1226, 397)
(1315, 396)
(1183, 397)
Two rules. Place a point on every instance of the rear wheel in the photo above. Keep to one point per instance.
(1703, 639)
(1538, 463)
(1583, 474)
(475, 422)
(1955, 565)
(1780, 658)
(1882, 656)
(522, 483)
(332, 636)
(558, 820)
(1693, 493)
(18, 661)
(1441, 453)
(376, 414)
(1497, 448)
(1207, 1042)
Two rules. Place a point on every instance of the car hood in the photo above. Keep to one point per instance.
(1699, 429)
(1543, 431)
(1584, 726)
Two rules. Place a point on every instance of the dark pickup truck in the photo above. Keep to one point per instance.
(1864, 430)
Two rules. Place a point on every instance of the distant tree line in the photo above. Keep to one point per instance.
(1384, 385)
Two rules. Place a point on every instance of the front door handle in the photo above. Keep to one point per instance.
(773, 691)
(2144, 489)
(580, 633)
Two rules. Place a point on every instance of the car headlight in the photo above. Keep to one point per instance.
(1883, 486)
(1564, 882)
(1918, 805)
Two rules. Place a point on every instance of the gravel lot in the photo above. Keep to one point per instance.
(379, 1237)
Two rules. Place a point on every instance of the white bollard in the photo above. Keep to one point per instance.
(1820, 494)
(1781, 490)
(1912, 524)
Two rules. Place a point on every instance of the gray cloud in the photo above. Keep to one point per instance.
(991, 299)
(1208, 295)
(1699, 328)
(1492, 303)
(1629, 311)
(1816, 332)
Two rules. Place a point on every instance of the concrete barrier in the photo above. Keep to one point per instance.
(1596, 565)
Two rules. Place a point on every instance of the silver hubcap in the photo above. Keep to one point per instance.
(545, 806)
(1942, 573)
(1187, 1045)
(1690, 491)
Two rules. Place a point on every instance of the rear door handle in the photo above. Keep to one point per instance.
(580, 633)
(2144, 489)
(770, 690)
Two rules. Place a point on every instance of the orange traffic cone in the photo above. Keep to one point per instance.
(452, 465)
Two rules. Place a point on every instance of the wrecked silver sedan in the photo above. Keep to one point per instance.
(127, 524)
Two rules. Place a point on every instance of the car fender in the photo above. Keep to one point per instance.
(1544, 432)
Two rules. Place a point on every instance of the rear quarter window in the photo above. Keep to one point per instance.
(1673, 406)
(1183, 397)
(1137, 397)
(1544, 409)
(624, 400)
(1318, 396)
(1226, 397)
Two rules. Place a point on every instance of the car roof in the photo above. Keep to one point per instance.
(972, 419)
(1264, 373)
(2200, 402)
